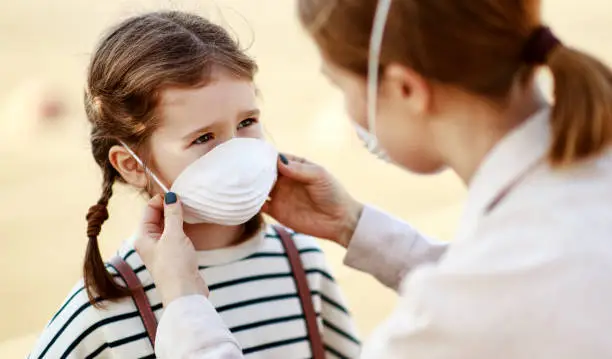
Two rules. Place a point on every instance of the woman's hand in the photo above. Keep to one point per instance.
(309, 200)
(167, 252)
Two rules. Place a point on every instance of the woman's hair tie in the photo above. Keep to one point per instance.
(540, 44)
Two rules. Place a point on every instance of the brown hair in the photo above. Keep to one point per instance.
(133, 63)
(476, 45)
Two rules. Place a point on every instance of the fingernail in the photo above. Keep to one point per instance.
(283, 159)
(170, 198)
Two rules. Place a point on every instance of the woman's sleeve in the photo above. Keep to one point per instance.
(388, 248)
(382, 245)
(190, 328)
(504, 293)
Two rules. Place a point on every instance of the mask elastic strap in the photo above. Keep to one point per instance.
(149, 172)
(378, 29)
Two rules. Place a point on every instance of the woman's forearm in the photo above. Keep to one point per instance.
(190, 328)
(388, 247)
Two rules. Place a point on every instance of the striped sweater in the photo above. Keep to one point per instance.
(252, 289)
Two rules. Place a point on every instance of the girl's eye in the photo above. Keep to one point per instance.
(246, 123)
(203, 139)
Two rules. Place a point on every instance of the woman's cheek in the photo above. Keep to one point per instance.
(356, 110)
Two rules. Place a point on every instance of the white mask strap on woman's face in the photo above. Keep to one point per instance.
(378, 29)
(371, 143)
(149, 172)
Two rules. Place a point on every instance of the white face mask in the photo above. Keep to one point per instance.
(368, 136)
(226, 186)
(371, 143)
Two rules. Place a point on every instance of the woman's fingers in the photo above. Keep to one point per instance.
(293, 158)
(298, 169)
(173, 215)
(151, 227)
(154, 211)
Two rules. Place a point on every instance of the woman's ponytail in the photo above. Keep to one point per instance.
(582, 114)
(98, 281)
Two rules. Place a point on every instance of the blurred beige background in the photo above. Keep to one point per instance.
(48, 180)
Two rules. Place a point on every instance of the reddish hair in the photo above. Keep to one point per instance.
(131, 66)
(476, 45)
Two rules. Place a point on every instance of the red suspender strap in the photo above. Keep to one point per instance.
(314, 336)
(138, 293)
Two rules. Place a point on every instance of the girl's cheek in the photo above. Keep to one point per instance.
(253, 131)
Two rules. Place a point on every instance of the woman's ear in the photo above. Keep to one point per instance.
(128, 167)
(403, 84)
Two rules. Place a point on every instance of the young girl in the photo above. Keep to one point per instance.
(165, 90)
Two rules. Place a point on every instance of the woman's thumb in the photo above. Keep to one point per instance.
(173, 213)
(300, 171)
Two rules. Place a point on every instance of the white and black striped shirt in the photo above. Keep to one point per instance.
(252, 289)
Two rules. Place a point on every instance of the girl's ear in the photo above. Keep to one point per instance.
(128, 167)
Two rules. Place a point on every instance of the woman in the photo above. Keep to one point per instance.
(527, 275)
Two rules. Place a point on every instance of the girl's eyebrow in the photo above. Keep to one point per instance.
(200, 130)
(208, 128)
(248, 113)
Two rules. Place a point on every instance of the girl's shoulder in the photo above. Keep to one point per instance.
(78, 328)
(79, 304)
(83, 326)
(303, 242)
(127, 254)
(311, 254)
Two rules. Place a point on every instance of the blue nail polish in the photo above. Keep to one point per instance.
(170, 198)
(283, 159)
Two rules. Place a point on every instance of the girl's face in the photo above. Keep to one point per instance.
(193, 122)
